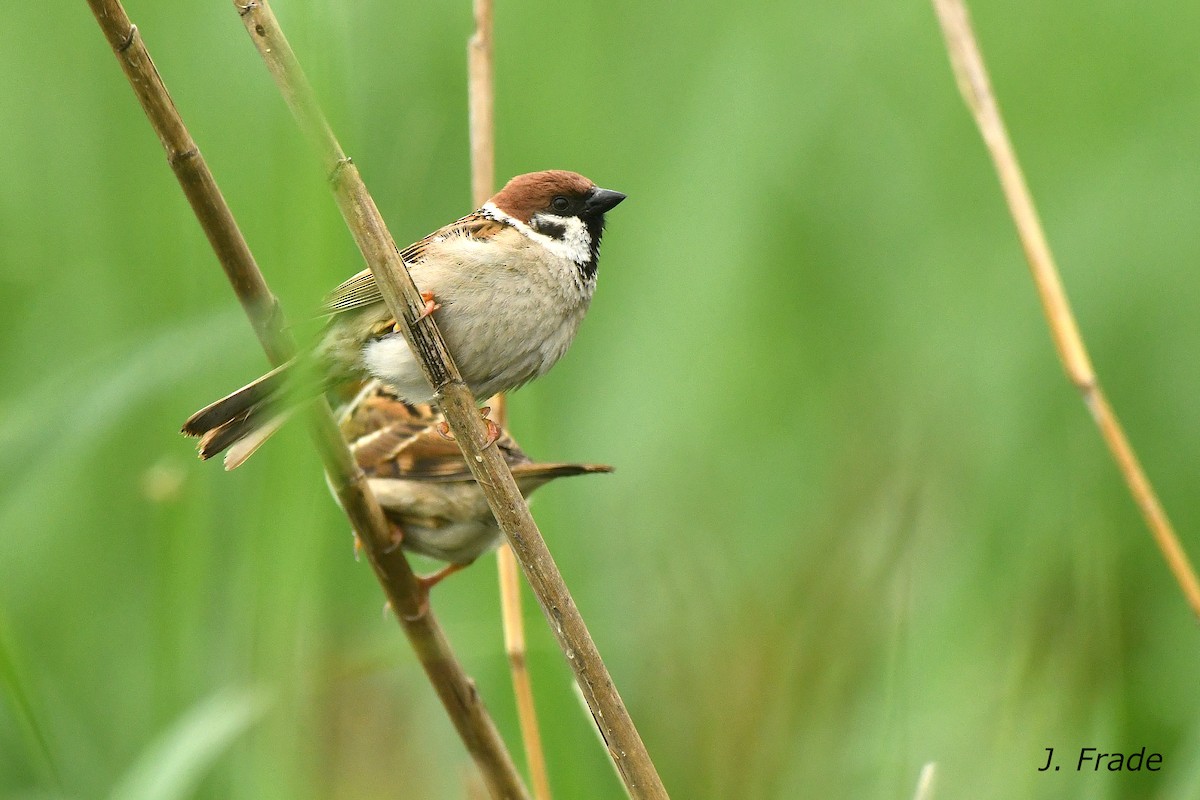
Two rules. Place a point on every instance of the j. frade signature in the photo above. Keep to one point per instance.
(1092, 758)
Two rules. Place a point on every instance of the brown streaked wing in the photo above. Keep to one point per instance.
(431, 458)
(361, 290)
(375, 409)
(392, 439)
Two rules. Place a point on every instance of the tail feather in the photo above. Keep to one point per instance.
(225, 410)
(550, 471)
(533, 475)
(228, 433)
(245, 419)
(245, 446)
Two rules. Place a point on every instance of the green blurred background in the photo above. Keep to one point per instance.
(859, 521)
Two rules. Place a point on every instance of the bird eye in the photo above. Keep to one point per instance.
(560, 203)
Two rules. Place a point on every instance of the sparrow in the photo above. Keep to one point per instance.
(508, 286)
(423, 483)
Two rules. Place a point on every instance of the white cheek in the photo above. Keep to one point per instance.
(575, 245)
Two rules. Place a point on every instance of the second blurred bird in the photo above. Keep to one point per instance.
(422, 482)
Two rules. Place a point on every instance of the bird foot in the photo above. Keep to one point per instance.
(493, 430)
(395, 539)
(431, 305)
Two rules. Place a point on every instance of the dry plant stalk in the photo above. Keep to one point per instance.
(453, 686)
(514, 646)
(488, 467)
(481, 99)
(976, 89)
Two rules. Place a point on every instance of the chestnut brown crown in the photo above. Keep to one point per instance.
(554, 191)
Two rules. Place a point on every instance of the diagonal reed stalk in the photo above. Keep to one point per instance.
(487, 465)
(454, 687)
(481, 98)
(976, 88)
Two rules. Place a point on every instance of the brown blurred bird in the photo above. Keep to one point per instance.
(422, 481)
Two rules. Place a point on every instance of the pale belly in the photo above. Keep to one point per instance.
(498, 343)
(506, 320)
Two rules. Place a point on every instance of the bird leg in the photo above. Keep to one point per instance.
(427, 582)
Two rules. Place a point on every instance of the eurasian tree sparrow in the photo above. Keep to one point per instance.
(508, 286)
(423, 483)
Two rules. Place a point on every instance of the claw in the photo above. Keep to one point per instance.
(396, 538)
(422, 609)
(493, 430)
(493, 433)
(431, 305)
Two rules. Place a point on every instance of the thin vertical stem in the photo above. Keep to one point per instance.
(481, 98)
(514, 646)
(481, 94)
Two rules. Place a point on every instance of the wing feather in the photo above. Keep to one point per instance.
(361, 290)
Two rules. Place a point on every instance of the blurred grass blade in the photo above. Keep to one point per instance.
(925, 782)
(23, 708)
(173, 765)
(53, 423)
(55, 413)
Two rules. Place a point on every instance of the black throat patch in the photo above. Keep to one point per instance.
(558, 232)
(595, 228)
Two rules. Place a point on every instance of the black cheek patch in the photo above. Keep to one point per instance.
(545, 227)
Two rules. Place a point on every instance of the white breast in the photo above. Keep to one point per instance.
(510, 309)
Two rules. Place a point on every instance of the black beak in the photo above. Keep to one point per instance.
(601, 200)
